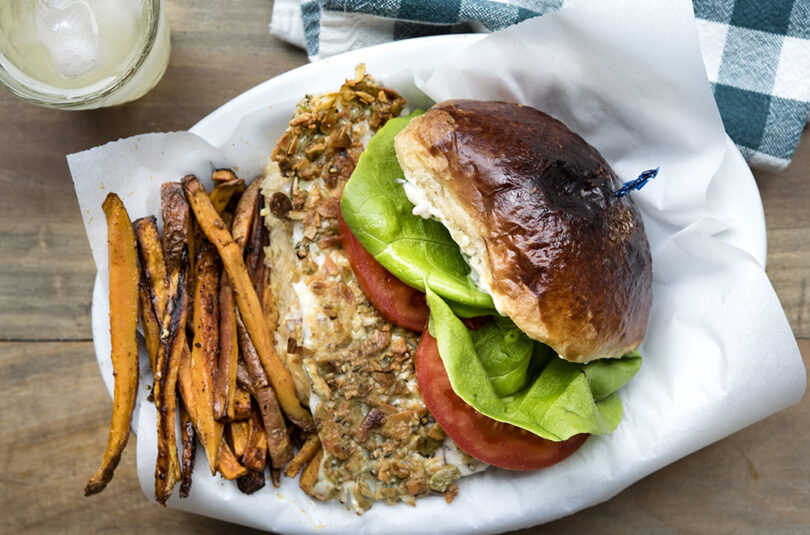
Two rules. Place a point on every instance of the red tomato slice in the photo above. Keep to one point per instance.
(488, 440)
(397, 302)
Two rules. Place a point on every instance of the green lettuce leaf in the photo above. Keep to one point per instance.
(414, 249)
(506, 354)
(505, 375)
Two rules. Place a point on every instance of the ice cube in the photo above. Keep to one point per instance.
(69, 32)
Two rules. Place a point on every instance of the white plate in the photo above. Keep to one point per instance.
(733, 194)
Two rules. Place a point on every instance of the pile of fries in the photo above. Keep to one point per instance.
(207, 317)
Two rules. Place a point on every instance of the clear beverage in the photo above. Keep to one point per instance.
(82, 53)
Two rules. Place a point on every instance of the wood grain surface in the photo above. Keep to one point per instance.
(53, 406)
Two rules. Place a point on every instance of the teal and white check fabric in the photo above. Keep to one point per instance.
(756, 52)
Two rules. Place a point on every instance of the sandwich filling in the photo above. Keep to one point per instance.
(352, 367)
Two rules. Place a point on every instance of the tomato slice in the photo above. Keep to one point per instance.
(488, 440)
(397, 302)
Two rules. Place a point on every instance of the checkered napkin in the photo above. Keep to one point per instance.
(756, 52)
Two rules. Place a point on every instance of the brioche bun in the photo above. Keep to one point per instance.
(531, 205)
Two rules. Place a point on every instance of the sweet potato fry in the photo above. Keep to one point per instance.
(259, 272)
(229, 465)
(204, 348)
(223, 192)
(194, 239)
(124, 280)
(227, 218)
(172, 346)
(257, 377)
(310, 473)
(275, 476)
(223, 175)
(255, 455)
(243, 378)
(179, 231)
(247, 302)
(206, 306)
(150, 251)
(176, 224)
(189, 450)
(239, 436)
(250, 483)
(254, 254)
(241, 404)
(269, 302)
(225, 383)
(278, 439)
(246, 211)
(154, 288)
(149, 322)
(307, 452)
(154, 284)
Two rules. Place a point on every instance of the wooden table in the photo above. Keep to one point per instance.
(54, 406)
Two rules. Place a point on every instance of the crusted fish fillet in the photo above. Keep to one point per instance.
(352, 367)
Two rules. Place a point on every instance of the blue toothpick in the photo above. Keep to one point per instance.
(638, 183)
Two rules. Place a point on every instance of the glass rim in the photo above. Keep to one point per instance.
(50, 100)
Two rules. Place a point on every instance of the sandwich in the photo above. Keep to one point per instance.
(455, 289)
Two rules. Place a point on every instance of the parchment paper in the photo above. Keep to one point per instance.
(719, 353)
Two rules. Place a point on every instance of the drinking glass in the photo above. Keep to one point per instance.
(82, 54)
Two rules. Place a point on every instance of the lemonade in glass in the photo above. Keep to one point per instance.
(80, 54)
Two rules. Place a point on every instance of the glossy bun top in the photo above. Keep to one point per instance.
(532, 205)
